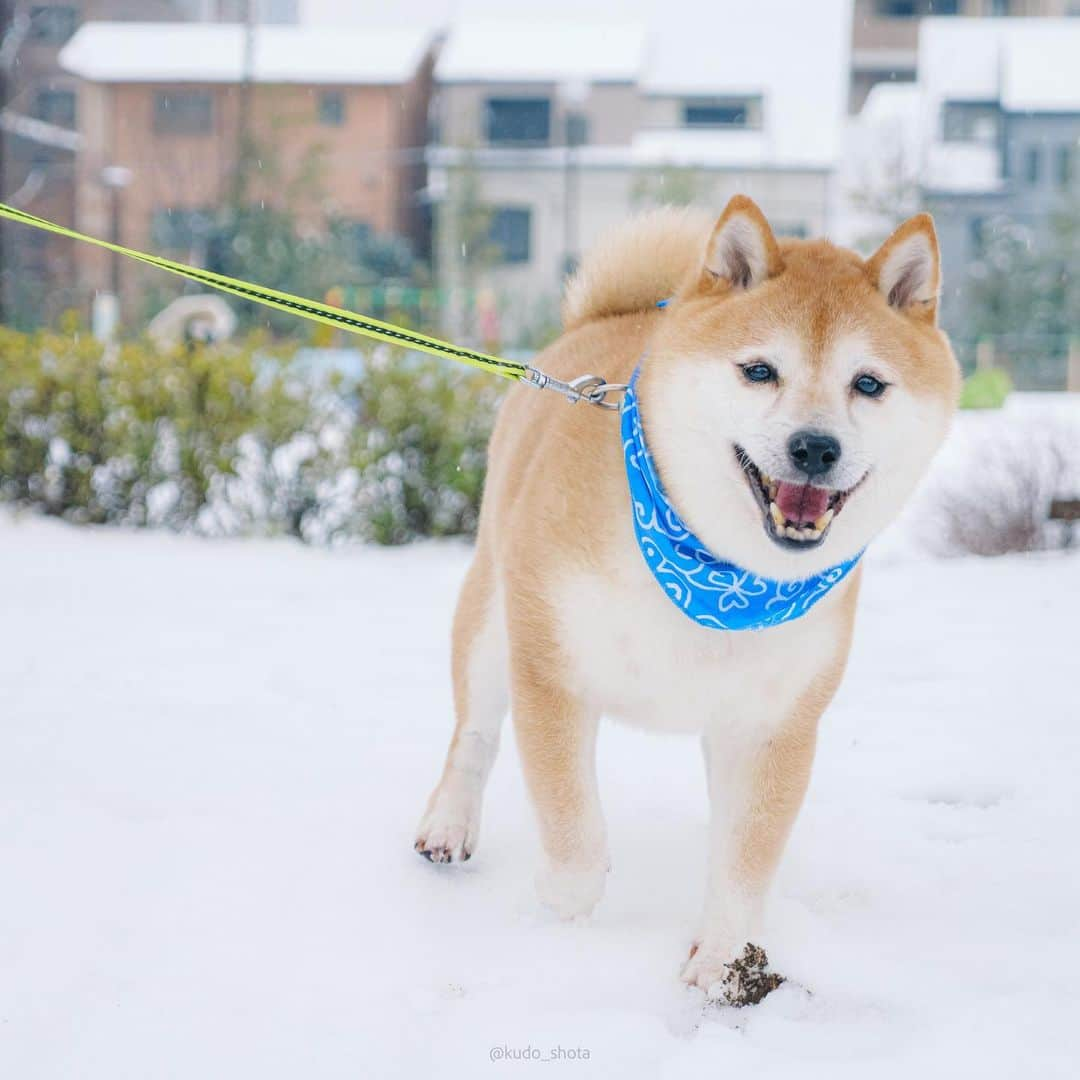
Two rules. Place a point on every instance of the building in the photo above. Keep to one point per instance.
(544, 135)
(999, 117)
(335, 122)
(885, 33)
(39, 128)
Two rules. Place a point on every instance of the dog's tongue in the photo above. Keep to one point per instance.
(801, 503)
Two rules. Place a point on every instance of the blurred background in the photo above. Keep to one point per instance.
(443, 165)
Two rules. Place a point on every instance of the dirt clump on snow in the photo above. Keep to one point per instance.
(747, 981)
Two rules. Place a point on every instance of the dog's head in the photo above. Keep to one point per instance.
(795, 393)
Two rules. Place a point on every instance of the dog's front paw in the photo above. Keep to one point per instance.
(571, 891)
(448, 831)
(728, 978)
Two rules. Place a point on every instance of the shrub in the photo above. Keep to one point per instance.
(1000, 502)
(241, 439)
(986, 389)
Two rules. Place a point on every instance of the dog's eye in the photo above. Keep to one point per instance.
(869, 386)
(759, 372)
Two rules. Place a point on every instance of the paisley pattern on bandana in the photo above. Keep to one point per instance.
(712, 592)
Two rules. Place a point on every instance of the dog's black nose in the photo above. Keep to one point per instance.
(812, 452)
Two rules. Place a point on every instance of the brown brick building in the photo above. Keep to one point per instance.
(39, 133)
(336, 120)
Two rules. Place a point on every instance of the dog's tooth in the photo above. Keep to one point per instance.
(777, 515)
(822, 522)
(792, 533)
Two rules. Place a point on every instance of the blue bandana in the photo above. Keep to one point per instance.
(712, 592)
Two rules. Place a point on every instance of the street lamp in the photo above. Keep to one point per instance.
(106, 311)
(115, 178)
(573, 96)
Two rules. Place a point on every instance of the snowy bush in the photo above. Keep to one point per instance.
(1000, 501)
(238, 440)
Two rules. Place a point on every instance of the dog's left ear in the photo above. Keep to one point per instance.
(907, 268)
(742, 250)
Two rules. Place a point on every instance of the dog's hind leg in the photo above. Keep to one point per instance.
(449, 827)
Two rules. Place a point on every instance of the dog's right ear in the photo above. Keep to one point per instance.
(742, 250)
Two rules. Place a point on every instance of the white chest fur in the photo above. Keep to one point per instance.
(633, 655)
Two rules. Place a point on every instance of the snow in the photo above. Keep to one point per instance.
(733, 50)
(1024, 65)
(544, 51)
(209, 52)
(213, 755)
(1040, 72)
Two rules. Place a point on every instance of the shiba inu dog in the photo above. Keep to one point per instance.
(791, 395)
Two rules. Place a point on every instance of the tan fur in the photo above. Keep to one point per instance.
(631, 269)
(556, 543)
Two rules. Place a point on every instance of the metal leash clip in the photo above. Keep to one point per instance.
(589, 388)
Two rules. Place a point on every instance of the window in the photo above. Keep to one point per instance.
(913, 9)
(53, 24)
(278, 11)
(898, 9)
(1064, 165)
(359, 240)
(971, 121)
(332, 108)
(723, 113)
(510, 234)
(796, 229)
(266, 11)
(1032, 164)
(979, 232)
(1000, 7)
(56, 107)
(179, 230)
(184, 112)
(518, 121)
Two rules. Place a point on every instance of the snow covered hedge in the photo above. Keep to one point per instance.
(241, 439)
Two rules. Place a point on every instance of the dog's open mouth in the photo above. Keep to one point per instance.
(795, 515)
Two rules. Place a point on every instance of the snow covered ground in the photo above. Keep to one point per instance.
(213, 756)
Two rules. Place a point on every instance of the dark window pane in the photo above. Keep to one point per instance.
(944, 7)
(1032, 164)
(979, 231)
(723, 112)
(332, 108)
(184, 112)
(53, 24)
(1064, 169)
(796, 229)
(510, 234)
(56, 107)
(518, 120)
(898, 9)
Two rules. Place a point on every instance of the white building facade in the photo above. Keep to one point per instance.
(543, 136)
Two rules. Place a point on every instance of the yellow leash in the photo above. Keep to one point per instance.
(590, 388)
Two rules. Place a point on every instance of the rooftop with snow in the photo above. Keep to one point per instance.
(214, 53)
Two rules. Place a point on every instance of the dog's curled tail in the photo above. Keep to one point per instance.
(637, 264)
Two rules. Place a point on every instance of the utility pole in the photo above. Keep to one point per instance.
(7, 49)
(244, 107)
